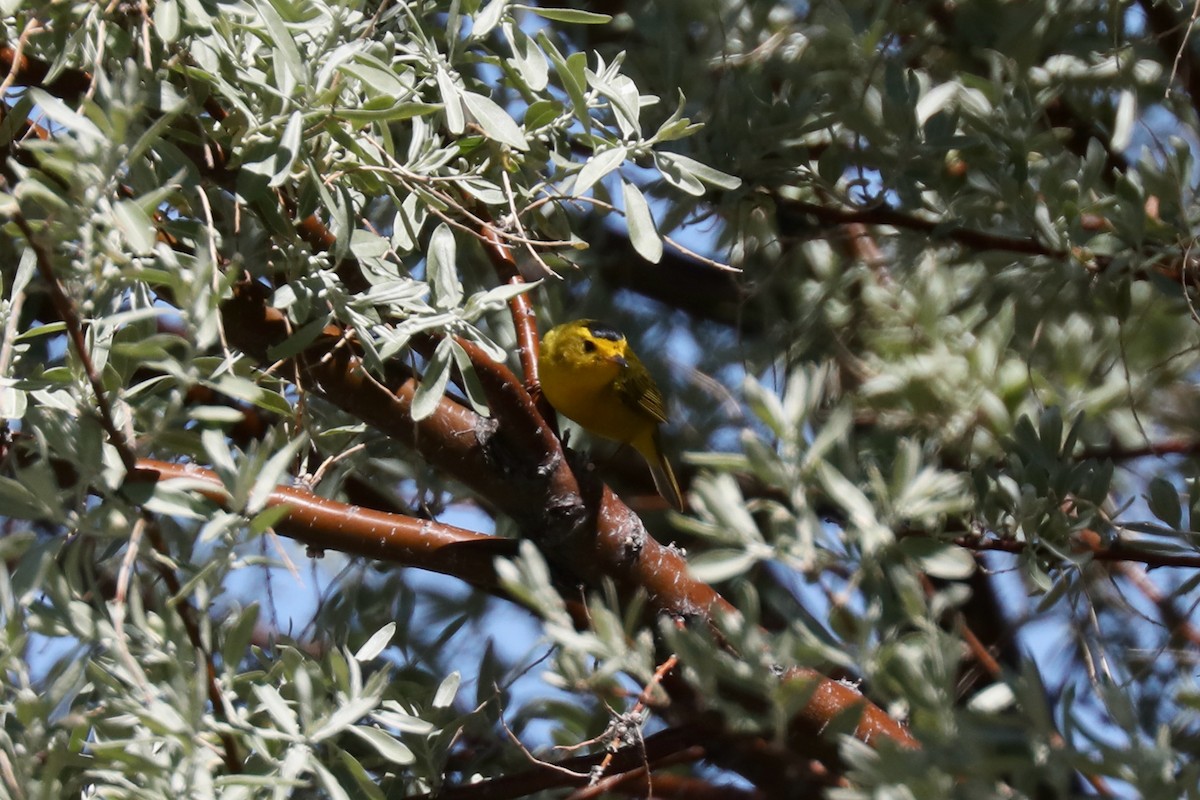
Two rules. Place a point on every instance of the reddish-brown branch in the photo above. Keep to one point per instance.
(832, 700)
(523, 317)
(69, 84)
(1091, 542)
(324, 524)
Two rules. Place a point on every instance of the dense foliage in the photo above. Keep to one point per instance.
(283, 513)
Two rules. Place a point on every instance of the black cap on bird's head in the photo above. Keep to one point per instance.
(602, 330)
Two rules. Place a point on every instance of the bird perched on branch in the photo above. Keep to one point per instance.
(590, 375)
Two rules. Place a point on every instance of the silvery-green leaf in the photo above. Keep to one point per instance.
(570, 15)
(488, 18)
(456, 121)
(939, 559)
(289, 149)
(495, 121)
(433, 382)
(272, 473)
(698, 170)
(642, 232)
(441, 267)
(377, 643)
(385, 744)
(598, 166)
(529, 59)
(136, 225)
(62, 114)
(447, 690)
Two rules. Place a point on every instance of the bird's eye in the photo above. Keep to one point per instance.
(589, 346)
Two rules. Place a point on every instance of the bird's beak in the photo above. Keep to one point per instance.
(619, 361)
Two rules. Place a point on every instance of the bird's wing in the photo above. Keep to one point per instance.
(637, 389)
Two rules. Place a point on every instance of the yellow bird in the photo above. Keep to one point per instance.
(589, 374)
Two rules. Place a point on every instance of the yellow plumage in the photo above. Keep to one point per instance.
(589, 374)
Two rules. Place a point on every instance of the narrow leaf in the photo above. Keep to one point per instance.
(598, 166)
(395, 751)
(495, 121)
(642, 232)
(376, 644)
(441, 268)
(433, 383)
(570, 15)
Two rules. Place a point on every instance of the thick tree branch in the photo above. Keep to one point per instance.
(325, 524)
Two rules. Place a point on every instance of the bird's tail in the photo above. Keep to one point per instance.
(660, 470)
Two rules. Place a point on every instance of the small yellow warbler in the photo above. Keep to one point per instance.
(589, 374)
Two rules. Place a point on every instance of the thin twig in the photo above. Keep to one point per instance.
(66, 312)
(187, 614)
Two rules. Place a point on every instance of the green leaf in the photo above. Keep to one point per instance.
(447, 690)
(136, 226)
(598, 166)
(433, 382)
(172, 498)
(299, 340)
(495, 121)
(625, 99)
(272, 474)
(487, 19)
(277, 707)
(1164, 502)
(333, 787)
(166, 20)
(570, 15)
(62, 114)
(530, 61)
(20, 503)
(571, 72)
(268, 518)
(289, 150)
(678, 177)
(237, 636)
(642, 232)
(387, 746)
(383, 109)
(281, 38)
(695, 169)
(542, 112)
(944, 560)
(377, 643)
(722, 564)
(441, 267)
(993, 699)
(377, 79)
(13, 401)
(365, 781)
(456, 121)
(1123, 123)
(476, 395)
